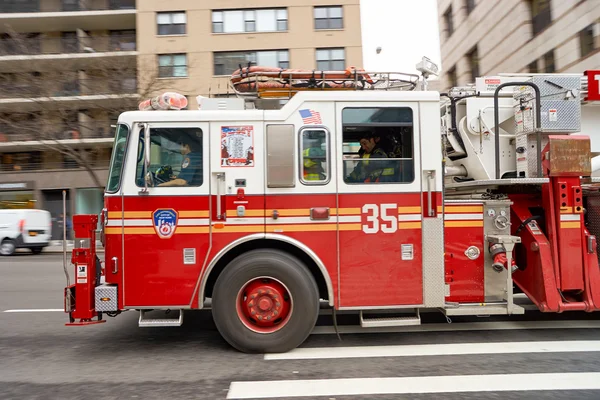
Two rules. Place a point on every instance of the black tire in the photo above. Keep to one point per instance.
(7, 247)
(37, 250)
(290, 272)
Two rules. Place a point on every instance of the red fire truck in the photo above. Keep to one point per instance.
(358, 191)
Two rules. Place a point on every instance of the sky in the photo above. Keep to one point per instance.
(406, 30)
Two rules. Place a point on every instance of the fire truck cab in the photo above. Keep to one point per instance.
(355, 241)
(340, 197)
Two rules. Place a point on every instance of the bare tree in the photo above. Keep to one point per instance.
(47, 97)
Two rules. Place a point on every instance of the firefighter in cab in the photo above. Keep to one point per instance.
(191, 164)
(313, 158)
(370, 172)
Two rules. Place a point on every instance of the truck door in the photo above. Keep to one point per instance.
(166, 233)
(300, 190)
(237, 176)
(380, 184)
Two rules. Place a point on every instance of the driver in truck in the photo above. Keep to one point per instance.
(191, 165)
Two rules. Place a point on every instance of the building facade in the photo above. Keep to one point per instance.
(196, 45)
(487, 37)
(69, 67)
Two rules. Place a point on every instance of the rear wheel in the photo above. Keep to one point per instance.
(265, 301)
(7, 247)
(36, 250)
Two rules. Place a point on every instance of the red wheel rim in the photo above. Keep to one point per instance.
(264, 305)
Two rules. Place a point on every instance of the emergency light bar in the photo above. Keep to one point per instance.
(166, 101)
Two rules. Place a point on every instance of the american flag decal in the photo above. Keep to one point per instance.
(311, 117)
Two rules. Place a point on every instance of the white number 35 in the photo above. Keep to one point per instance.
(382, 217)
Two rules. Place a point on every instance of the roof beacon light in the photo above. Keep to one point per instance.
(166, 101)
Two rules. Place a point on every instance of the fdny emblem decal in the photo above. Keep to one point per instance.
(165, 222)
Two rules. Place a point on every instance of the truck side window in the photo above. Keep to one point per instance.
(176, 157)
(378, 145)
(314, 156)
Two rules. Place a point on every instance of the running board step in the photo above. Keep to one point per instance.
(159, 322)
(382, 322)
(483, 310)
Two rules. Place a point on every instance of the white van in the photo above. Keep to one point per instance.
(29, 229)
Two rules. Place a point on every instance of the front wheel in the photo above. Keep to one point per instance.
(265, 301)
(37, 250)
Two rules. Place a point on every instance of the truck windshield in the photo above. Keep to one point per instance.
(118, 156)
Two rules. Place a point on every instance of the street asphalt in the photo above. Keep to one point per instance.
(40, 358)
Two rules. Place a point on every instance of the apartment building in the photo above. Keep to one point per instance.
(486, 37)
(69, 67)
(195, 45)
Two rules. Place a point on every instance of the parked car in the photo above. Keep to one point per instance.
(31, 229)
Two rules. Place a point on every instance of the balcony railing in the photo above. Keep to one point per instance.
(46, 45)
(39, 130)
(67, 164)
(41, 88)
(34, 6)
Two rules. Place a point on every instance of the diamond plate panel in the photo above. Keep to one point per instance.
(527, 160)
(560, 103)
(593, 217)
(433, 262)
(106, 298)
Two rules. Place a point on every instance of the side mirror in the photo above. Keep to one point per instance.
(146, 147)
(148, 181)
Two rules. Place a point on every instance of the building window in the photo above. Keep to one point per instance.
(541, 16)
(452, 77)
(329, 18)
(473, 57)
(69, 41)
(533, 67)
(549, 66)
(19, 6)
(448, 23)
(282, 20)
(122, 4)
(171, 23)
(250, 20)
(470, 6)
(314, 156)
(331, 59)
(172, 65)
(586, 40)
(70, 5)
(227, 62)
(123, 40)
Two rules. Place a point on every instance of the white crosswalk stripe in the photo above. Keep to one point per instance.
(574, 346)
(413, 385)
(481, 381)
